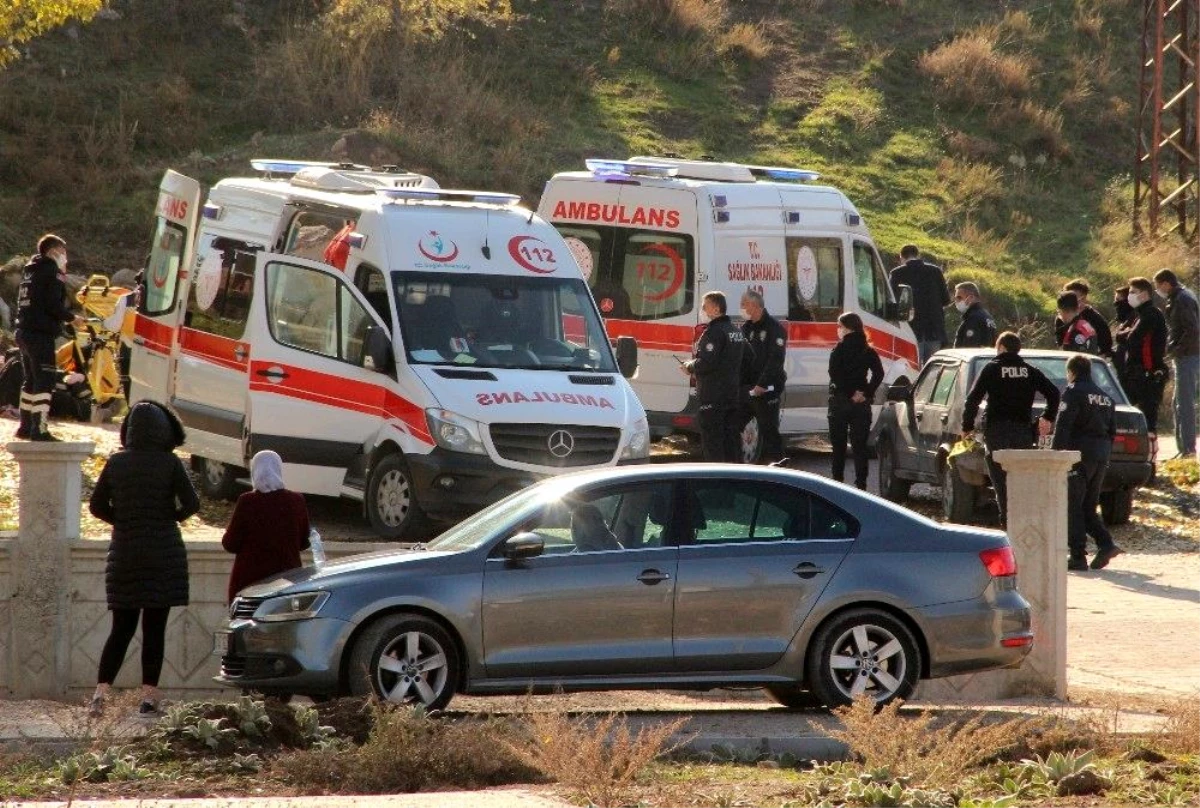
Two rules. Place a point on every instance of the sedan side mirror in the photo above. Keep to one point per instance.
(902, 309)
(524, 545)
(899, 391)
(377, 351)
(627, 356)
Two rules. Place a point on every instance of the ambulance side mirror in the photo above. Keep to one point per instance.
(899, 391)
(627, 356)
(901, 310)
(377, 351)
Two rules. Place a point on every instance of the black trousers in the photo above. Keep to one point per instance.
(1004, 435)
(1083, 503)
(847, 419)
(37, 362)
(721, 433)
(1146, 394)
(765, 410)
(154, 643)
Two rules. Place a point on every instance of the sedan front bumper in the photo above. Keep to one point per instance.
(293, 656)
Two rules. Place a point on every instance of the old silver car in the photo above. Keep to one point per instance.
(681, 576)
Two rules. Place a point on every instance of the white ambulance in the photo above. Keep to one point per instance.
(454, 357)
(653, 234)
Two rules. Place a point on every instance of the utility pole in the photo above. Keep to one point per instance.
(1166, 179)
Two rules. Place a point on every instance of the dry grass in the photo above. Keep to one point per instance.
(1031, 126)
(598, 760)
(971, 70)
(1181, 734)
(745, 39)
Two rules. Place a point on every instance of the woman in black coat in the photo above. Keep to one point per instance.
(855, 372)
(144, 493)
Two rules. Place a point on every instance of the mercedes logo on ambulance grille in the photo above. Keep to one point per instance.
(561, 443)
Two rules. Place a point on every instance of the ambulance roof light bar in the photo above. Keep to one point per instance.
(446, 195)
(782, 174)
(288, 167)
(629, 168)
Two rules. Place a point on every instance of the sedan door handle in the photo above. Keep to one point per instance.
(807, 569)
(945, 417)
(652, 577)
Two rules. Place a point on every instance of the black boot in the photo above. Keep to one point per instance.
(40, 432)
(1077, 563)
(24, 432)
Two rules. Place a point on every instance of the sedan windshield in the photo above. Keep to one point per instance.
(491, 521)
(501, 321)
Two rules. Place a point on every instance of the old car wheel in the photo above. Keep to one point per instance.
(891, 486)
(391, 505)
(405, 659)
(958, 496)
(1116, 506)
(218, 480)
(794, 698)
(863, 652)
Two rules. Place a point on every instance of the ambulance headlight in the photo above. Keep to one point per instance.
(639, 441)
(455, 433)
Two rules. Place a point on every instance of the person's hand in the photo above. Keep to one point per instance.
(686, 367)
(757, 390)
(1045, 427)
(78, 322)
(858, 397)
(968, 434)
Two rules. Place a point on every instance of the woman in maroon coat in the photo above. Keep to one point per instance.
(269, 526)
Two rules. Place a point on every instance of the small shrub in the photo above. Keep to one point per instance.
(971, 71)
(745, 39)
(1182, 731)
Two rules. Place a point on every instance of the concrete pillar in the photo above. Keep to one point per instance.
(49, 503)
(1037, 528)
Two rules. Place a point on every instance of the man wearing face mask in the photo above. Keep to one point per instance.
(717, 367)
(977, 329)
(1183, 343)
(1145, 343)
(762, 371)
(41, 311)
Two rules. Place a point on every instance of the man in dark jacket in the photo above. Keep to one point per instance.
(1183, 343)
(763, 376)
(930, 297)
(1077, 333)
(41, 313)
(1086, 423)
(1145, 342)
(977, 329)
(1009, 384)
(717, 367)
(1104, 340)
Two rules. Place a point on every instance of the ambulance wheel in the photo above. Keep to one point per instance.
(217, 480)
(391, 501)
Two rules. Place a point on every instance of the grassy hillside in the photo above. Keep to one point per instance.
(998, 136)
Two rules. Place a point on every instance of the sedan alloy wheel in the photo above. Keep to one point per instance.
(863, 653)
(405, 659)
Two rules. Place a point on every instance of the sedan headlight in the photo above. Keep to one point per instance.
(291, 607)
(454, 432)
(639, 441)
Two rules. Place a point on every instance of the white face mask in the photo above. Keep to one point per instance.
(1161, 293)
(1136, 299)
(961, 305)
(842, 332)
(746, 314)
(61, 260)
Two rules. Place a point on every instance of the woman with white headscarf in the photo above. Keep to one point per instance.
(269, 526)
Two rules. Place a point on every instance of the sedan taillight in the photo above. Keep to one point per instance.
(999, 561)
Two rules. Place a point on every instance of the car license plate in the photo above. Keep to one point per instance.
(222, 642)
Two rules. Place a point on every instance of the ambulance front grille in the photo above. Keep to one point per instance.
(545, 444)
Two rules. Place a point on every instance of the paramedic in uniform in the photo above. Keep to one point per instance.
(41, 312)
(717, 367)
(762, 371)
(977, 329)
(1086, 424)
(1009, 384)
(1077, 332)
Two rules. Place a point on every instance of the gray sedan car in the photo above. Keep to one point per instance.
(679, 576)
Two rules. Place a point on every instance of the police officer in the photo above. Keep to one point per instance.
(717, 367)
(977, 329)
(1077, 334)
(1104, 340)
(41, 312)
(1086, 423)
(1145, 344)
(1009, 384)
(855, 372)
(763, 375)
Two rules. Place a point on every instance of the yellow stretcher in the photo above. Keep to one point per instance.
(96, 351)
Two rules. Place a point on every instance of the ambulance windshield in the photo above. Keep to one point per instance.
(501, 321)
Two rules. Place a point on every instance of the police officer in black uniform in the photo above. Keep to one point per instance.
(763, 376)
(977, 329)
(41, 313)
(1086, 423)
(1144, 343)
(1009, 384)
(717, 367)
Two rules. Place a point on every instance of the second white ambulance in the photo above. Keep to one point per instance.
(421, 350)
(652, 234)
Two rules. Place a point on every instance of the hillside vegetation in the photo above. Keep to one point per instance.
(999, 136)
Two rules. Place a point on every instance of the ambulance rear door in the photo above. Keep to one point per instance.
(637, 246)
(164, 288)
(873, 300)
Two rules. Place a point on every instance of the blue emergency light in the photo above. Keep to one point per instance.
(629, 168)
(781, 174)
(279, 167)
(445, 195)
(211, 211)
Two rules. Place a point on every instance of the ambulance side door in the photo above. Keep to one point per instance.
(164, 288)
(311, 399)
